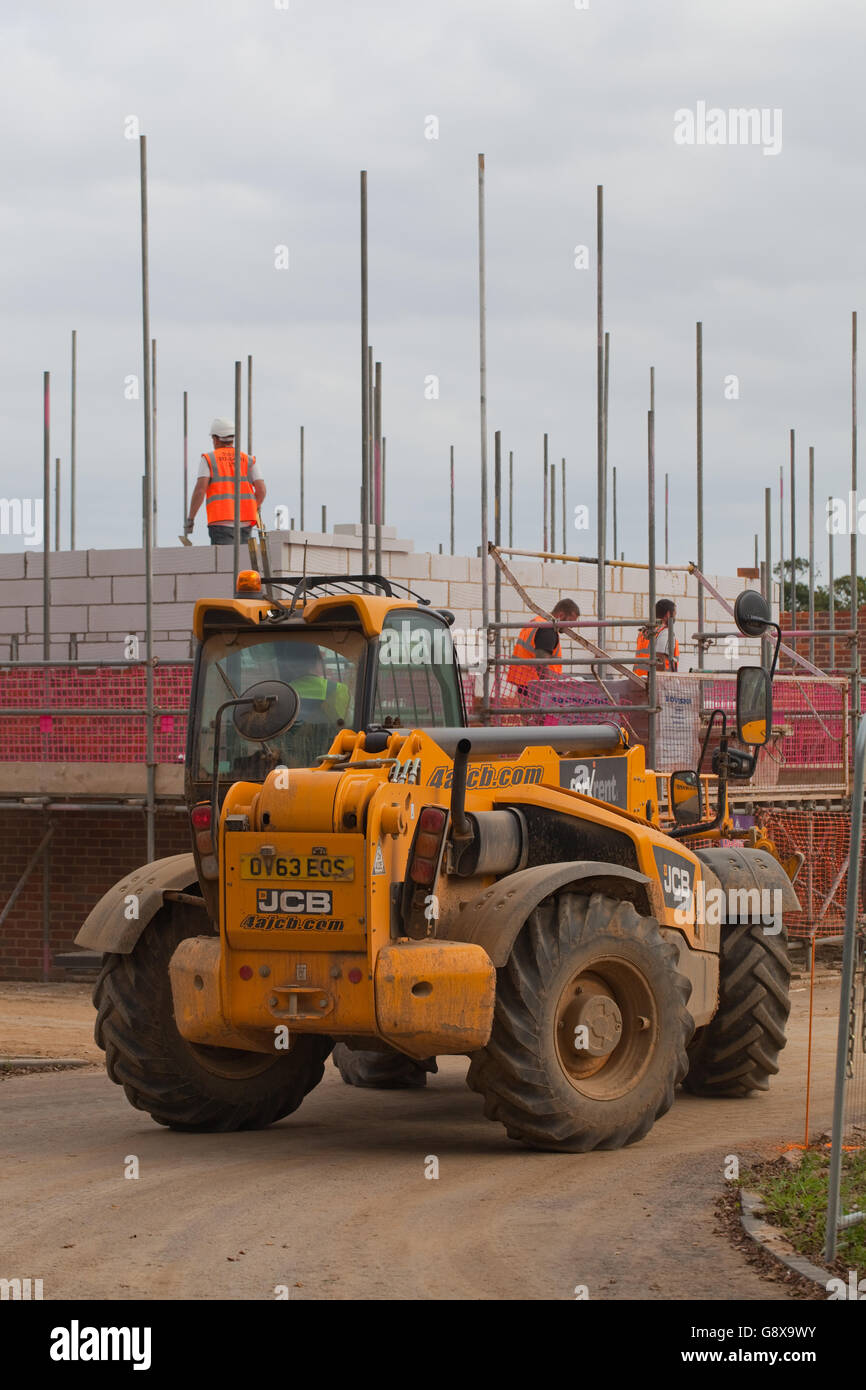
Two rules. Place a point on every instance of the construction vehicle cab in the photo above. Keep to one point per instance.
(369, 870)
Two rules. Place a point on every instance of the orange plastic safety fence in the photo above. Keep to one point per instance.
(54, 733)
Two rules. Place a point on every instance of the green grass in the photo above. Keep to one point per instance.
(796, 1200)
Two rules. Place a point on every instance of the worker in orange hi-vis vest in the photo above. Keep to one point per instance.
(666, 612)
(540, 640)
(216, 487)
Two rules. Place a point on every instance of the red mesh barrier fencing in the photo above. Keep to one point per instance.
(48, 737)
(822, 883)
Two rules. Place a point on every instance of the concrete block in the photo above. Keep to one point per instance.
(625, 605)
(557, 575)
(166, 650)
(130, 589)
(185, 559)
(434, 590)
(526, 572)
(464, 596)
(454, 567)
(97, 651)
(544, 598)
(223, 558)
(637, 582)
(169, 615)
(729, 586)
(180, 636)
(21, 591)
(84, 590)
(12, 566)
(118, 617)
(193, 586)
(14, 620)
(117, 561)
(353, 528)
(61, 618)
(410, 566)
(319, 560)
(63, 564)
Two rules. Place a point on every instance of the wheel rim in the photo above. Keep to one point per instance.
(230, 1063)
(606, 1027)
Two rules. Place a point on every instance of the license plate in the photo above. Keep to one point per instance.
(309, 867)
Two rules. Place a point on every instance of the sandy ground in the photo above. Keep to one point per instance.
(39, 1020)
(333, 1202)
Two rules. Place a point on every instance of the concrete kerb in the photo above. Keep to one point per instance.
(42, 1063)
(771, 1239)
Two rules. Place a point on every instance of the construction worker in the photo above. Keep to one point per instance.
(540, 640)
(216, 485)
(318, 694)
(666, 612)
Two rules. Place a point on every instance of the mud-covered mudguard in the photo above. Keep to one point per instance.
(747, 869)
(495, 917)
(121, 915)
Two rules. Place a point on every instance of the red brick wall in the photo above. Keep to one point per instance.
(89, 852)
(841, 618)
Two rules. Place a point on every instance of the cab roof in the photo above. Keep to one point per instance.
(369, 611)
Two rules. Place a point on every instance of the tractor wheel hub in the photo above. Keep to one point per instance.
(599, 1016)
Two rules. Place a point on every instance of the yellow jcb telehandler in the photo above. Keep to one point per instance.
(369, 871)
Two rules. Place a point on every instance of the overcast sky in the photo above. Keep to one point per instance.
(258, 121)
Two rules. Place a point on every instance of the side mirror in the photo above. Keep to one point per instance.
(266, 710)
(752, 613)
(685, 799)
(754, 705)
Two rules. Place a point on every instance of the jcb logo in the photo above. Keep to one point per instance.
(294, 900)
(677, 876)
(678, 883)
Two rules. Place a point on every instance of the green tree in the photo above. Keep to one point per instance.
(841, 593)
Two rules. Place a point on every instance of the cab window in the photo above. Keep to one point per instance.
(416, 681)
(323, 668)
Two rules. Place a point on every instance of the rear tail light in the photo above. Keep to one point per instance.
(427, 846)
(200, 818)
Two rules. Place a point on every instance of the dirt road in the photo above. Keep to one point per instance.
(333, 1202)
(46, 1020)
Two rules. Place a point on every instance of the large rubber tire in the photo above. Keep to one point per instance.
(381, 1071)
(180, 1084)
(738, 1051)
(526, 1074)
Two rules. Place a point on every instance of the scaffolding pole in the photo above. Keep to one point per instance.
(482, 353)
(699, 448)
(811, 549)
(46, 516)
(150, 814)
(601, 497)
(365, 389)
(855, 587)
(73, 441)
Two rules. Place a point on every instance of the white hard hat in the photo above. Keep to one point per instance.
(222, 428)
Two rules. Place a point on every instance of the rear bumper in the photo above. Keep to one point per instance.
(424, 997)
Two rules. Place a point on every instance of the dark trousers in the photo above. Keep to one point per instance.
(225, 535)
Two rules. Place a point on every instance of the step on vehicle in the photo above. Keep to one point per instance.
(369, 871)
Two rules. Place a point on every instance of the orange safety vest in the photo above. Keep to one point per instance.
(642, 649)
(220, 495)
(523, 647)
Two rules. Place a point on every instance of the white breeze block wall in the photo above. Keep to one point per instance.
(98, 599)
